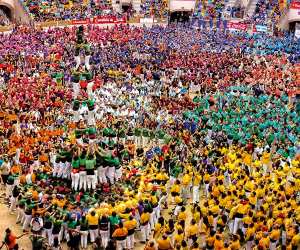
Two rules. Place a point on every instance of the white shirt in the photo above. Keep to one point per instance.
(36, 224)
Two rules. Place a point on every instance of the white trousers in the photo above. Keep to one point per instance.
(84, 238)
(13, 203)
(61, 169)
(111, 174)
(76, 89)
(76, 115)
(91, 118)
(130, 242)
(75, 181)
(249, 245)
(236, 224)
(27, 221)
(87, 62)
(118, 174)
(9, 189)
(196, 194)
(104, 238)
(20, 215)
(89, 90)
(157, 213)
(206, 190)
(91, 182)
(93, 234)
(273, 245)
(78, 62)
(54, 171)
(47, 233)
(177, 210)
(121, 244)
(145, 232)
(152, 220)
(102, 174)
(82, 180)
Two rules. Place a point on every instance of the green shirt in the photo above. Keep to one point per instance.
(82, 161)
(137, 132)
(90, 163)
(75, 163)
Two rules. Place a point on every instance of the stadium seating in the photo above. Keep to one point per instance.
(209, 8)
(65, 9)
(266, 12)
(156, 8)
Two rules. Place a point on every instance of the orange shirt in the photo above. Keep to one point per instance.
(15, 169)
(43, 158)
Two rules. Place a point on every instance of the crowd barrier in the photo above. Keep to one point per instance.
(234, 25)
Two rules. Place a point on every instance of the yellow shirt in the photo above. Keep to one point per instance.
(192, 230)
(242, 209)
(247, 220)
(206, 178)
(197, 180)
(92, 220)
(275, 235)
(235, 245)
(145, 217)
(186, 179)
(178, 238)
(196, 216)
(215, 209)
(266, 158)
(250, 232)
(264, 242)
(130, 224)
(182, 216)
(175, 189)
(296, 240)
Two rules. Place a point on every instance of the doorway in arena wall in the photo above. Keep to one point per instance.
(7, 11)
(181, 16)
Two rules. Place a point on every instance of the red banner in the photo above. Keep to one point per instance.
(237, 26)
(109, 19)
(100, 20)
(295, 5)
(80, 22)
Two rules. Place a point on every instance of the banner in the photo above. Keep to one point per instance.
(260, 28)
(295, 5)
(237, 26)
(80, 22)
(146, 20)
(100, 20)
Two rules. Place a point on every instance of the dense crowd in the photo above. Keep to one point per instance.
(103, 134)
(210, 9)
(155, 8)
(68, 10)
(266, 12)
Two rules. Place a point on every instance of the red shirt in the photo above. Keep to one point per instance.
(12, 241)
